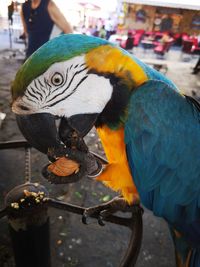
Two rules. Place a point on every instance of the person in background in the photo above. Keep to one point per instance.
(10, 12)
(165, 38)
(102, 32)
(129, 41)
(95, 31)
(38, 19)
(108, 28)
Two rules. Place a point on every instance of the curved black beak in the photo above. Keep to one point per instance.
(39, 130)
(82, 123)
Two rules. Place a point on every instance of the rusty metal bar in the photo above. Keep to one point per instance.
(14, 144)
(135, 242)
(80, 210)
(134, 223)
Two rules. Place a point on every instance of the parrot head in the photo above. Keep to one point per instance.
(75, 78)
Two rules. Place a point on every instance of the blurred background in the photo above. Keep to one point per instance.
(149, 23)
(164, 34)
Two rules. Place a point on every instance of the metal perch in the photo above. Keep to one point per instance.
(26, 207)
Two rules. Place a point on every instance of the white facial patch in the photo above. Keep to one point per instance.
(65, 89)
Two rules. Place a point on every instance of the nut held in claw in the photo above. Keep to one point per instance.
(64, 167)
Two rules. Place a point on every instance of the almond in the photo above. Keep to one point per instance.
(64, 167)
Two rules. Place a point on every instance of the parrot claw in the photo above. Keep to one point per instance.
(84, 218)
(92, 212)
(100, 220)
(102, 211)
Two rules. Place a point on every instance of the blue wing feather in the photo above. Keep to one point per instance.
(162, 136)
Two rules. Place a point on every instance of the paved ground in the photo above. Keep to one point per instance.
(74, 244)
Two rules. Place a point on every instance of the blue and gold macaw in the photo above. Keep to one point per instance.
(149, 130)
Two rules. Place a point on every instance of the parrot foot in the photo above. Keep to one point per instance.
(104, 210)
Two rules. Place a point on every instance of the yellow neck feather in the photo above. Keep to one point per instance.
(108, 59)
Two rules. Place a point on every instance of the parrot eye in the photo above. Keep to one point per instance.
(57, 79)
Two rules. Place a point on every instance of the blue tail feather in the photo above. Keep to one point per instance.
(195, 258)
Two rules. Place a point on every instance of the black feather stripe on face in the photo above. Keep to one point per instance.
(114, 113)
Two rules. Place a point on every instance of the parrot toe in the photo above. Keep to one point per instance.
(105, 210)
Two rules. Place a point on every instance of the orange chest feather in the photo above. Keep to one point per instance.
(117, 174)
(113, 144)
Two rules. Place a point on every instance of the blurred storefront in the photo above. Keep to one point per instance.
(175, 17)
(80, 13)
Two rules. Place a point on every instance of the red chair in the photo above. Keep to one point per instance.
(196, 47)
(137, 38)
(162, 49)
(185, 36)
(177, 39)
(196, 50)
(187, 46)
(158, 35)
(141, 31)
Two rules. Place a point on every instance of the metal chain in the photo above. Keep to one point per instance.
(27, 165)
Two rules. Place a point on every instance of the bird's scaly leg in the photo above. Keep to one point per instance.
(116, 204)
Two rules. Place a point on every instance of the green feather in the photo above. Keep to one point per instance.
(59, 49)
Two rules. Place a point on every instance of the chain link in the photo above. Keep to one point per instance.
(27, 165)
